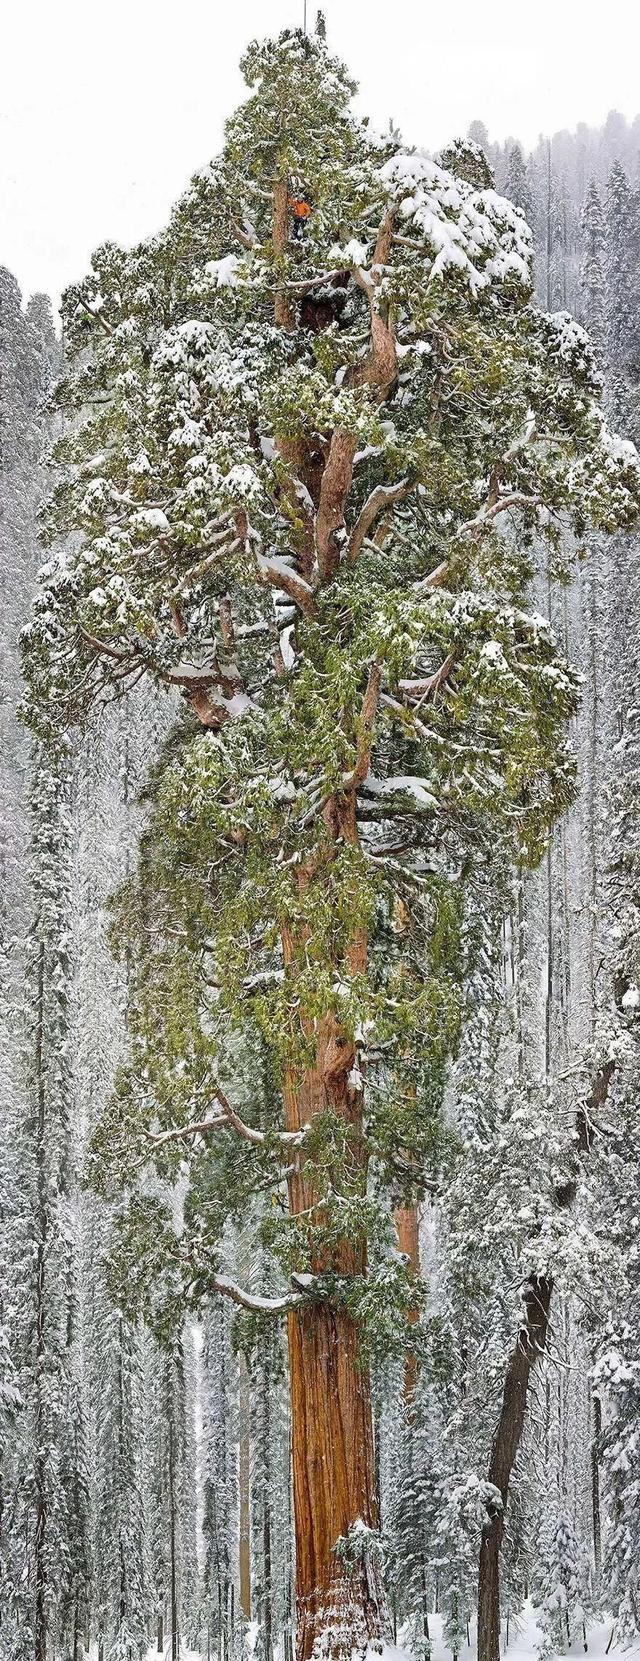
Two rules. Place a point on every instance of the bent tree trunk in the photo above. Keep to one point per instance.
(530, 1344)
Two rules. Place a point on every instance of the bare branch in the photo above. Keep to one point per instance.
(382, 497)
(435, 579)
(325, 279)
(517, 499)
(247, 241)
(201, 1129)
(105, 647)
(287, 1138)
(96, 316)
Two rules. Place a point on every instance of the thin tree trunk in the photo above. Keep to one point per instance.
(76, 1628)
(530, 1344)
(244, 1496)
(595, 1484)
(267, 1596)
(267, 1614)
(288, 1564)
(39, 1545)
(548, 227)
(175, 1638)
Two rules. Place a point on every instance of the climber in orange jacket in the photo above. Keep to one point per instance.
(300, 209)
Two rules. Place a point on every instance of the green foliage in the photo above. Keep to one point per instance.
(307, 857)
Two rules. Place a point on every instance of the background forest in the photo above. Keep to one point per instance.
(145, 1475)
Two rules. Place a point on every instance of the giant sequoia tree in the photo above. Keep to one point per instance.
(307, 475)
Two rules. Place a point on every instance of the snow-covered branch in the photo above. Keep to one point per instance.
(382, 497)
(252, 1301)
(202, 1127)
(275, 572)
(287, 1138)
(421, 690)
(516, 499)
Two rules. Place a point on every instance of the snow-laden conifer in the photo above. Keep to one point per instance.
(291, 468)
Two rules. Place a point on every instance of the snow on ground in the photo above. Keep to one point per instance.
(525, 1643)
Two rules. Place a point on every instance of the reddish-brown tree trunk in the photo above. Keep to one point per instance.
(408, 1233)
(333, 1460)
(333, 1482)
(283, 315)
(333, 1463)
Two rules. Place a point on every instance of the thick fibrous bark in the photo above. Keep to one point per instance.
(336, 483)
(340, 1605)
(408, 1232)
(530, 1344)
(332, 1425)
(333, 1482)
(280, 236)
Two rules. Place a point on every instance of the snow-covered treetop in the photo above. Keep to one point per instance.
(290, 465)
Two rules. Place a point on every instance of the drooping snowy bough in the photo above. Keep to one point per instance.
(306, 480)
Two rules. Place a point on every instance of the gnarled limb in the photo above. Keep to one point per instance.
(382, 497)
(502, 504)
(197, 684)
(275, 573)
(370, 702)
(251, 1301)
(380, 367)
(334, 489)
(421, 690)
(228, 1119)
(378, 370)
(201, 1127)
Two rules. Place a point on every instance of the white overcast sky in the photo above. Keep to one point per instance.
(106, 109)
